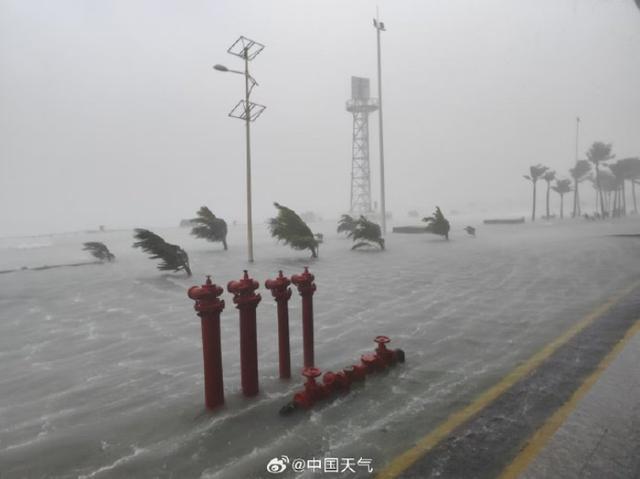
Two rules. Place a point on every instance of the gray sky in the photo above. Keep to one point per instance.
(110, 112)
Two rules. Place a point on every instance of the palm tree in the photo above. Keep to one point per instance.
(437, 224)
(346, 224)
(366, 232)
(535, 172)
(597, 154)
(579, 173)
(631, 168)
(548, 176)
(619, 204)
(209, 227)
(562, 187)
(99, 250)
(173, 257)
(289, 228)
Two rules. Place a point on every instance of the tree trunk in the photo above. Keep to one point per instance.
(548, 189)
(561, 206)
(624, 199)
(224, 243)
(633, 192)
(599, 189)
(576, 200)
(533, 213)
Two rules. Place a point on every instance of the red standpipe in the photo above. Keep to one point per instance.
(209, 307)
(246, 301)
(281, 292)
(306, 288)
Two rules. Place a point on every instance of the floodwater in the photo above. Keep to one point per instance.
(101, 365)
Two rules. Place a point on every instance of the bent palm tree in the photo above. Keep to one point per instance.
(548, 176)
(631, 172)
(173, 258)
(366, 233)
(289, 228)
(437, 224)
(597, 154)
(99, 250)
(536, 172)
(579, 173)
(347, 224)
(562, 187)
(209, 227)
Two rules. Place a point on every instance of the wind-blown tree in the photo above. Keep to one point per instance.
(99, 250)
(631, 169)
(289, 228)
(607, 186)
(562, 187)
(347, 224)
(620, 174)
(366, 233)
(173, 258)
(535, 172)
(548, 176)
(209, 227)
(437, 224)
(598, 154)
(579, 173)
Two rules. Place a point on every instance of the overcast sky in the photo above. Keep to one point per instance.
(111, 113)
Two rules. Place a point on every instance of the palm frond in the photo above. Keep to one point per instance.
(209, 227)
(346, 224)
(289, 228)
(99, 250)
(173, 258)
(437, 224)
(367, 233)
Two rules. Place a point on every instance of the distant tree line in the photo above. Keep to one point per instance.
(608, 178)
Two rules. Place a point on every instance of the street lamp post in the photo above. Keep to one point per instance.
(379, 26)
(246, 110)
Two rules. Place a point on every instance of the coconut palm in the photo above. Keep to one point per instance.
(209, 227)
(619, 204)
(437, 224)
(631, 167)
(598, 154)
(366, 233)
(99, 250)
(173, 257)
(346, 224)
(289, 228)
(548, 176)
(562, 187)
(579, 173)
(535, 172)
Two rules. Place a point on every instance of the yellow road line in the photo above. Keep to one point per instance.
(542, 435)
(408, 458)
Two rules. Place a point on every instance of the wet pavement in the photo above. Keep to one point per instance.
(601, 437)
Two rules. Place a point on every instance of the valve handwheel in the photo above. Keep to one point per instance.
(382, 339)
(311, 372)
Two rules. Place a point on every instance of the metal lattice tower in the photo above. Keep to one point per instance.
(360, 105)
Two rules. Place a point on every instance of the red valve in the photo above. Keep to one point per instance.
(206, 297)
(311, 373)
(209, 306)
(386, 357)
(246, 301)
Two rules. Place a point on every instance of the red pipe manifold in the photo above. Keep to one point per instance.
(340, 382)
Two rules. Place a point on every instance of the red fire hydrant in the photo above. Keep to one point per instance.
(209, 307)
(306, 288)
(281, 292)
(246, 301)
